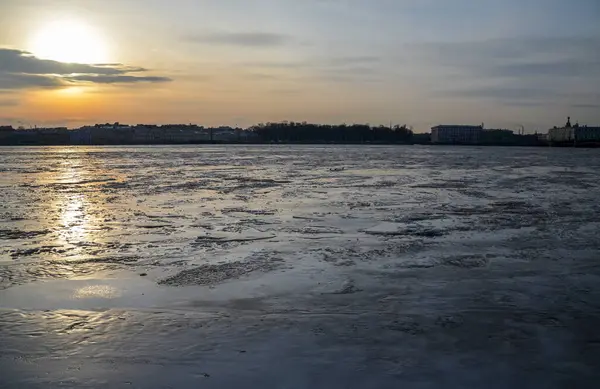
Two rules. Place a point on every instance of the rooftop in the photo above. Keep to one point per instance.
(480, 127)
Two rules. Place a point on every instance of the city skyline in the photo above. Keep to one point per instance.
(422, 63)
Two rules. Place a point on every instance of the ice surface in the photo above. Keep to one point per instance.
(298, 267)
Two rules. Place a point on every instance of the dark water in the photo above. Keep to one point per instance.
(295, 267)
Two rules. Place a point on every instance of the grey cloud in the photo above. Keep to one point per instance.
(525, 103)
(351, 74)
(518, 58)
(586, 106)
(243, 39)
(574, 67)
(358, 60)
(21, 70)
(506, 50)
(279, 65)
(120, 66)
(501, 92)
(351, 79)
(516, 71)
(336, 69)
(334, 62)
(24, 81)
(354, 70)
(102, 79)
(18, 61)
(525, 95)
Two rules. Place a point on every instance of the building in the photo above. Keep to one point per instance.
(562, 134)
(497, 137)
(585, 134)
(106, 134)
(574, 134)
(456, 134)
(6, 134)
(37, 136)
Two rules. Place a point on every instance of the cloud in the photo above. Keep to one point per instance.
(573, 67)
(586, 106)
(508, 50)
(102, 79)
(19, 61)
(278, 64)
(261, 77)
(243, 39)
(338, 69)
(354, 60)
(24, 81)
(319, 62)
(533, 71)
(521, 104)
(21, 70)
(349, 74)
(526, 95)
(501, 93)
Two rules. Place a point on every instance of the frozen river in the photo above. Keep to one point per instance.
(299, 267)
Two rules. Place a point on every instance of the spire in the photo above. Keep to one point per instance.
(568, 122)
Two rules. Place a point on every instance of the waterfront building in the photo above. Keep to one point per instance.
(456, 134)
(562, 134)
(574, 133)
(587, 134)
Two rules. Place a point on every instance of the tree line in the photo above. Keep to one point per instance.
(326, 133)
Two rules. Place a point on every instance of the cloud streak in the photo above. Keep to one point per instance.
(26, 81)
(533, 72)
(21, 70)
(573, 67)
(103, 79)
(243, 39)
(586, 106)
(338, 69)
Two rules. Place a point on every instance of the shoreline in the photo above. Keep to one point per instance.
(569, 145)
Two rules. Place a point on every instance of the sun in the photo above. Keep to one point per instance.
(70, 41)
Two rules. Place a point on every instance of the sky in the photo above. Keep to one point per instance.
(506, 63)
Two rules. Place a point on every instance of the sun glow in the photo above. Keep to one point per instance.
(70, 41)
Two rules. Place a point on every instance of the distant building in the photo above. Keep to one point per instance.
(574, 133)
(562, 134)
(587, 134)
(497, 137)
(102, 134)
(456, 134)
(542, 137)
(36, 136)
(6, 134)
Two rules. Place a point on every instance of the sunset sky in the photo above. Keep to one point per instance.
(238, 62)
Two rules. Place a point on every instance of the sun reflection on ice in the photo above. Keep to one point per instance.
(97, 291)
(73, 206)
(74, 220)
